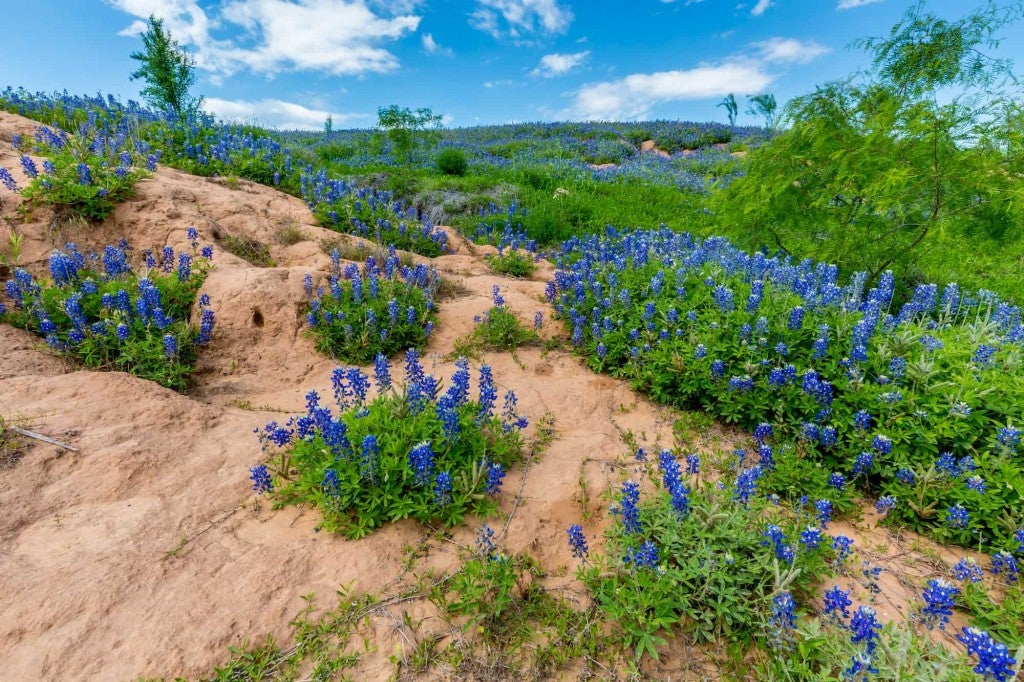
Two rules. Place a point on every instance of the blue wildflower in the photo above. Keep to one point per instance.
(938, 603)
(577, 541)
(261, 480)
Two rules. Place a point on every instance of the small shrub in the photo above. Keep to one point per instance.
(11, 444)
(87, 175)
(498, 329)
(101, 313)
(248, 249)
(407, 453)
(512, 263)
(378, 309)
(452, 161)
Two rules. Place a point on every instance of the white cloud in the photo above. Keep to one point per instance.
(335, 36)
(557, 64)
(789, 50)
(850, 4)
(498, 84)
(275, 113)
(521, 17)
(633, 97)
(761, 7)
(430, 46)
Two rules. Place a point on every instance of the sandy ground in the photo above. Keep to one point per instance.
(145, 553)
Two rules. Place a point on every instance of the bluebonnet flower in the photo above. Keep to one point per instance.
(906, 476)
(746, 484)
(700, 351)
(766, 457)
(122, 331)
(628, 507)
(994, 659)
(206, 323)
(983, 355)
(538, 320)
(871, 575)
(763, 431)
(693, 467)
(170, 346)
(8, 180)
(331, 484)
(837, 480)
(810, 537)
(742, 384)
(261, 480)
(421, 461)
(864, 628)
(836, 603)
(796, 318)
(368, 459)
(967, 569)
(938, 603)
(1018, 537)
(1004, 563)
(957, 516)
(885, 504)
(644, 557)
(882, 444)
(672, 479)
(717, 369)
(577, 541)
(485, 541)
(382, 373)
(641, 455)
(1009, 438)
(488, 393)
(84, 174)
(843, 547)
(783, 619)
(975, 483)
(495, 476)
(823, 508)
(723, 298)
(862, 666)
(29, 166)
(862, 420)
(443, 489)
(960, 409)
(496, 296)
(863, 463)
(206, 252)
(828, 436)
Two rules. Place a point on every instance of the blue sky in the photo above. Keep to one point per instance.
(290, 63)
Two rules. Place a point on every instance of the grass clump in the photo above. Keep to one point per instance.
(498, 330)
(248, 249)
(512, 263)
(11, 443)
(98, 311)
(410, 452)
(86, 175)
(378, 309)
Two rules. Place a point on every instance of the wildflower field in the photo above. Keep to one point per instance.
(320, 410)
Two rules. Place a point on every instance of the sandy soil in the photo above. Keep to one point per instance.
(145, 553)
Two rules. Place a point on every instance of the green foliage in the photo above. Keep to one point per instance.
(368, 314)
(715, 576)
(823, 652)
(512, 263)
(81, 181)
(407, 129)
(396, 456)
(1002, 618)
(484, 591)
(888, 171)
(452, 161)
(167, 69)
